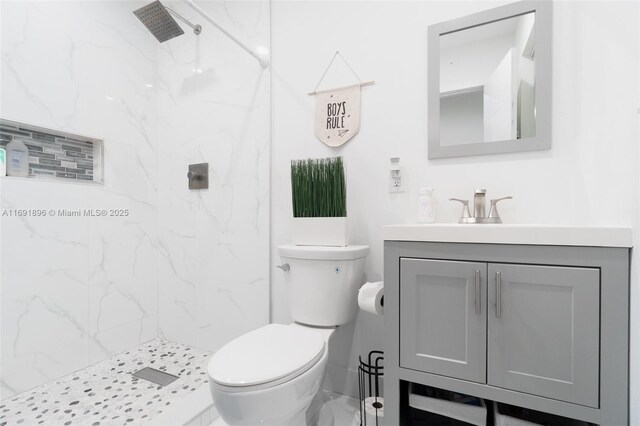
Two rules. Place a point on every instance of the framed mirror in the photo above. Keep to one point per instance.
(489, 82)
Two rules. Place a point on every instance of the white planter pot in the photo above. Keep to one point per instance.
(319, 231)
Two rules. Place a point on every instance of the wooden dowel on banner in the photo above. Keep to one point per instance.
(364, 83)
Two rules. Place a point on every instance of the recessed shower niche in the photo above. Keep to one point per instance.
(56, 155)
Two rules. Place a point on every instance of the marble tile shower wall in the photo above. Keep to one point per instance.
(190, 266)
(76, 290)
(52, 156)
(213, 105)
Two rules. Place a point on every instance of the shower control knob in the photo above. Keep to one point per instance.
(198, 176)
(190, 175)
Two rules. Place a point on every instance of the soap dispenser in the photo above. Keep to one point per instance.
(17, 159)
(426, 208)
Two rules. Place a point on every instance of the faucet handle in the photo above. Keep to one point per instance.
(466, 214)
(493, 211)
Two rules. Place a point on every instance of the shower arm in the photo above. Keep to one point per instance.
(197, 29)
(264, 62)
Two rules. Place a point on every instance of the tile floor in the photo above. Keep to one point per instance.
(344, 408)
(107, 394)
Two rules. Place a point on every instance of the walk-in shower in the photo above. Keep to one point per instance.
(159, 20)
(109, 267)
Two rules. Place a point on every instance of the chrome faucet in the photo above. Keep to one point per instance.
(479, 204)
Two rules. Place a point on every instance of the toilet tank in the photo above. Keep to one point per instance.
(323, 282)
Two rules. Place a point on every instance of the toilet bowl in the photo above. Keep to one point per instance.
(275, 379)
(273, 375)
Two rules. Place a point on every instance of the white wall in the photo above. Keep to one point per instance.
(462, 118)
(473, 62)
(214, 244)
(76, 290)
(634, 385)
(498, 101)
(589, 177)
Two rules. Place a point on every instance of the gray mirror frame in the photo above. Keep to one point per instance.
(542, 25)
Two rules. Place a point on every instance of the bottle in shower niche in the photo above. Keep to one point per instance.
(3, 162)
(17, 159)
(426, 207)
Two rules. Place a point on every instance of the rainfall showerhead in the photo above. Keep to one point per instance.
(159, 20)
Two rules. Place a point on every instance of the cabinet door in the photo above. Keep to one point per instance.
(544, 336)
(443, 317)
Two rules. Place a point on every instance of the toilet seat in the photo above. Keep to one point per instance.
(265, 357)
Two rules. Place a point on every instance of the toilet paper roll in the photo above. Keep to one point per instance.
(373, 410)
(371, 298)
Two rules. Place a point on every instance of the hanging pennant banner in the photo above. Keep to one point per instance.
(338, 115)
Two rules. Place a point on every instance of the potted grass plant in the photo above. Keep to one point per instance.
(319, 196)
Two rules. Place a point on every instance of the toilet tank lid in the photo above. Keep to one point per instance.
(265, 355)
(323, 252)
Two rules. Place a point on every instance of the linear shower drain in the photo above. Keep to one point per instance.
(155, 376)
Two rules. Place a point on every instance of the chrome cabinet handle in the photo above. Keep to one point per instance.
(478, 300)
(498, 295)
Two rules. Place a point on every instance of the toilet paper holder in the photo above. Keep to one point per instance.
(370, 374)
(371, 297)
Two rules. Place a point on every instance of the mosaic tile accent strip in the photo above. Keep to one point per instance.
(107, 394)
(54, 154)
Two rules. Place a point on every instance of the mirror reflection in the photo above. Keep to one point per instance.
(487, 82)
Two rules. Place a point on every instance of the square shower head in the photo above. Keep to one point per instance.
(159, 21)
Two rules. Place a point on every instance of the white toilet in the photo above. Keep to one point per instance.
(273, 375)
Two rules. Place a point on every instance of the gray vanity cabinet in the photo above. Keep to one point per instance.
(540, 327)
(443, 318)
(544, 331)
(537, 332)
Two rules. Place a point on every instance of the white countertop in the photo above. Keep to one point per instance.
(511, 234)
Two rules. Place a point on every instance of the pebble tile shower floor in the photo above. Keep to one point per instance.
(107, 394)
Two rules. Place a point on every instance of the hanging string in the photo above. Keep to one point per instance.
(329, 66)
